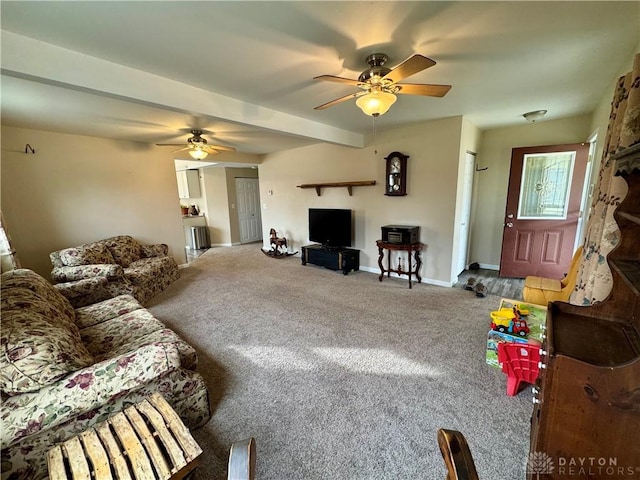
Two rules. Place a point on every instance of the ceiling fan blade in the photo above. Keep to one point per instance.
(181, 149)
(169, 144)
(219, 148)
(411, 65)
(331, 78)
(340, 100)
(422, 89)
(209, 150)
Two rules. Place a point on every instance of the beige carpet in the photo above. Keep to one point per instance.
(342, 377)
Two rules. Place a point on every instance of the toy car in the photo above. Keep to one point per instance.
(507, 320)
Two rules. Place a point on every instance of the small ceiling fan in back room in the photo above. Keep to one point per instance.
(197, 146)
(379, 84)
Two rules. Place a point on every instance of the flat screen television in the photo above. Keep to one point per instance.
(331, 227)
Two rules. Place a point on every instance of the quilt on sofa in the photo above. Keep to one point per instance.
(123, 265)
(62, 370)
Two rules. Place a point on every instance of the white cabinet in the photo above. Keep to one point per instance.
(188, 184)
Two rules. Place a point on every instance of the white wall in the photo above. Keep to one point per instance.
(600, 118)
(219, 190)
(469, 142)
(491, 185)
(217, 208)
(78, 189)
(434, 151)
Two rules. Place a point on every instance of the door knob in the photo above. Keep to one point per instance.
(510, 224)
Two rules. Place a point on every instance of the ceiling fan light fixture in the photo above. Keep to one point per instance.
(534, 116)
(376, 102)
(198, 153)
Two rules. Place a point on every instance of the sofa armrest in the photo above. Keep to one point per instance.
(157, 250)
(70, 274)
(82, 391)
(95, 287)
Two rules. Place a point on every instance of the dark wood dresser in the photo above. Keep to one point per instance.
(586, 419)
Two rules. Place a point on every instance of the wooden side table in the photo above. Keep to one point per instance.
(145, 441)
(400, 247)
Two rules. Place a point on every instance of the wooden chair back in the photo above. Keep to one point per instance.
(457, 456)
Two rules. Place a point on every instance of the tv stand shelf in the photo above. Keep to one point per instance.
(339, 258)
(348, 185)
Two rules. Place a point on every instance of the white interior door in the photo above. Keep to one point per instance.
(249, 218)
(465, 214)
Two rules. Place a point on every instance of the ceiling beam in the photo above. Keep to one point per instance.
(42, 62)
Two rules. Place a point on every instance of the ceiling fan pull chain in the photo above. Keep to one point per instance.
(374, 134)
(375, 150)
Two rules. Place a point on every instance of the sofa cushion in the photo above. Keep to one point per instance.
(124, 249)
(106, 310)
(142, 271)
(188, 355)
(105, 338)
(35, 351)
(89, 254)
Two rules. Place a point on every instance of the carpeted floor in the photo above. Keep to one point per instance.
(341, 377)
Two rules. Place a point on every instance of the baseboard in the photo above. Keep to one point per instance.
(488, 266)
(429, 281)
(183, 265)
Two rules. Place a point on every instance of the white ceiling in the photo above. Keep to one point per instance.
(243, 71)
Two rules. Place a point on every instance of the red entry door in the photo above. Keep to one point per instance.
(543, 207)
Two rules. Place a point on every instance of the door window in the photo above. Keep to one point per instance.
(546, 184)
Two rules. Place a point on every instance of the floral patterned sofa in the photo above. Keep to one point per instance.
(128, 268)
(63, 370)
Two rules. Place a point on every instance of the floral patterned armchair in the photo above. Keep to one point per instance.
(122, 265)
(62, 370)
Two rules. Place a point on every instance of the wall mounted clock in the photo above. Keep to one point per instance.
(396, 174)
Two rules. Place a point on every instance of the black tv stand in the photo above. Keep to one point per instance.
(333, 258)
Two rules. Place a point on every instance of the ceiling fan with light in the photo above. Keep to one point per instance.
(379, 84)
(197, 146)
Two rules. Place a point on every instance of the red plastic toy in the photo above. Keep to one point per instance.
(520, 362)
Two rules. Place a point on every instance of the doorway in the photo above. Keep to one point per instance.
(249, 215)
(543, 209)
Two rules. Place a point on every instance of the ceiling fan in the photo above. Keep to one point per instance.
(379, 84)
(198, 146)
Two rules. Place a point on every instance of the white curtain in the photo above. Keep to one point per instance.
(8, 257)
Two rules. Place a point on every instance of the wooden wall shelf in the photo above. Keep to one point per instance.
(348, 185)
